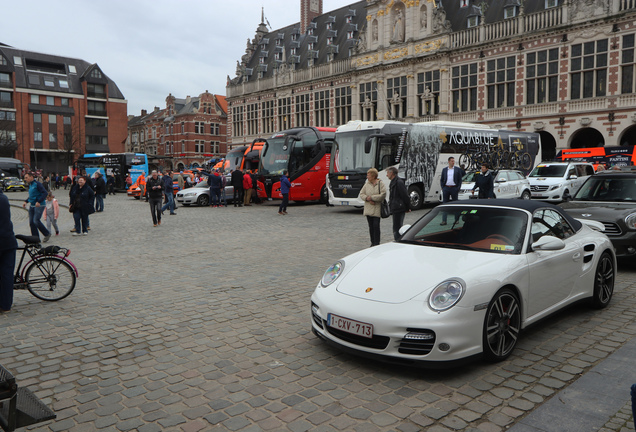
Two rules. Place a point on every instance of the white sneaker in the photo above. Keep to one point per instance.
(85, 233)
(76, 234)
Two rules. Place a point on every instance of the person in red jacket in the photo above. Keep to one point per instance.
(247, 186)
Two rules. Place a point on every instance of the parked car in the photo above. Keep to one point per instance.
(558, 181)
(11, 184)
(609, 197)
(451, 292)
(507, 184)
(200, 194)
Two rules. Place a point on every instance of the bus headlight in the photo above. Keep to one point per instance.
(446, 295)
(332, 273)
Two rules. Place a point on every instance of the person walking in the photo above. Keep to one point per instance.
(51, 213)
(373, 193)
(247, 187)
(168, 190)
(237, 183)
(223, 185)
(141, 181)
(36, 198)
(8, 246)
(82, 197)
(155, 189)
(399, 201)
(110, 184)
(285, 185)
(215, 182)
(100, 192)
(485, 182)
(129, 181)
(451, 182)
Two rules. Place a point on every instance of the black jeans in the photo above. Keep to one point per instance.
(283, 205)
(155, 209)
(238, 196)
(398, 221)
(374, 229)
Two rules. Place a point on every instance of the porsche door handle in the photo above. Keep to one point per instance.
(576, 256)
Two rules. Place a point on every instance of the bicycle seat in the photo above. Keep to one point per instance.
(28, 239)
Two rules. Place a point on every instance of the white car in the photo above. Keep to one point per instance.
(558, 181)
(463, 282)
(508, 184)
(200, 194)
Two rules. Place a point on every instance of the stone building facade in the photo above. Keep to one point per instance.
(563, 68)
(53, 109)
(187, 132)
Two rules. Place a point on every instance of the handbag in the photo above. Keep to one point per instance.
(385, 211)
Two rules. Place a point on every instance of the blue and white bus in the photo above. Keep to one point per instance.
(117, 164)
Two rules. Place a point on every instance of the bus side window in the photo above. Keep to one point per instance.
(386, 155)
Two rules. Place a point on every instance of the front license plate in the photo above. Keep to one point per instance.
(344, 202)
(350, 326)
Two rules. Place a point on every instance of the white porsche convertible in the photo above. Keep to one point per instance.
(463, 282)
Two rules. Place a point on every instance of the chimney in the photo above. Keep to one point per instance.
(144, 112)
(309, 9)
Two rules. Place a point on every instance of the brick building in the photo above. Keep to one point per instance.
(187, 132)
(565, 69)
(54, 109)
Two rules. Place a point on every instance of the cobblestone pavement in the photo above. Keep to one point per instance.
(203, 324)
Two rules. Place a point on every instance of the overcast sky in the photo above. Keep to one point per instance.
(149, 48)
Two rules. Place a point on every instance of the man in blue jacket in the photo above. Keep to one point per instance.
(36, 199)
(8, 246)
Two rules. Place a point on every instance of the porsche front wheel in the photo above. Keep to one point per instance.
(502, 325)
(603, 281)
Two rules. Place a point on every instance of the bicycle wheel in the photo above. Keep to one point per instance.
(526, 161)
(50, 278)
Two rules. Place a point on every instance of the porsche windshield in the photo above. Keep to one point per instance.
(607, 188)
(351, 155)
(545, 170)
(276, 159)
(488, 229)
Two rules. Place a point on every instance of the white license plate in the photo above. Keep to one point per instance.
(536, 194)
(350, 326)
(344, 202)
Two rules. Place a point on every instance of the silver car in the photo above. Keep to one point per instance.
(200, 194)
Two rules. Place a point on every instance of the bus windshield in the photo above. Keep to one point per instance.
(277, 157)
(351, 155)
(235, 159)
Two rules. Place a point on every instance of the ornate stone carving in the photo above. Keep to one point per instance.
(440, 24)
(538, 126)
(397, 36)
(586, 9)
(585, 121)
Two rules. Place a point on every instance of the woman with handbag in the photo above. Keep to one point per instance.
(373, 193)
(82, 196)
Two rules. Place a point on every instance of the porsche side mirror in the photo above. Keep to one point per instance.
(548, 243)
(404, 229)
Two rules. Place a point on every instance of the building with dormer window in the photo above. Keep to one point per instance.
(563, 69)
(54, 109)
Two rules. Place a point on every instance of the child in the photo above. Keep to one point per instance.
(51, 213)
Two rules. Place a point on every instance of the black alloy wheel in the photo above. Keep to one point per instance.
(603, 281)
(502, 325)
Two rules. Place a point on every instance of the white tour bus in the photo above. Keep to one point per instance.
(420, 151)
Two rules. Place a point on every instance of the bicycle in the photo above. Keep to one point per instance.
(49, 275)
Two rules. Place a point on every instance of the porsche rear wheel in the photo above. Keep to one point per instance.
(603, 281)
(502, 325)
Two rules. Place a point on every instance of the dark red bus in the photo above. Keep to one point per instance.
(305, 153)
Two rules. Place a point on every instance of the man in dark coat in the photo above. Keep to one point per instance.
(154, 188)
(100, 192)
(484, 181)
(8, 246)
(399, 201)
(237, 183)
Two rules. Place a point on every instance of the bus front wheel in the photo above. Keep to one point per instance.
(416, 197)
(324, 195)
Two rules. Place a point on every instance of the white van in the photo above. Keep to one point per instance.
(558, 181)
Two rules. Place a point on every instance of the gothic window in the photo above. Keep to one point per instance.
(428, 85)
(542, 76)
(321, 107)
(252, 119)
(343, 105)
(588, 69)
(268, 117)
(500, 82)
(464, 87)
(302, 110)
(237, 121)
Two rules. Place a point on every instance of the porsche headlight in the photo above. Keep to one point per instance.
(446, 295)
(630, 221)
(332, 273)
